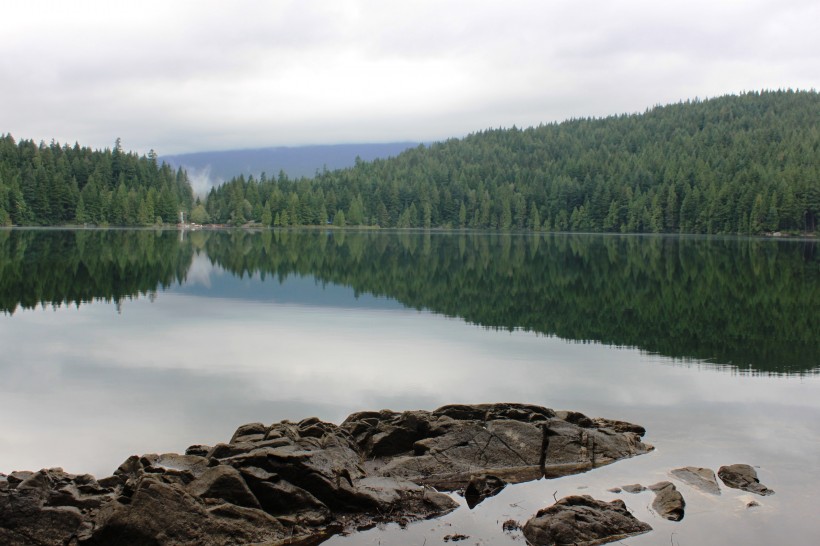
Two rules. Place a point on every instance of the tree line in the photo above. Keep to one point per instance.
(740, 164)
(52, 184)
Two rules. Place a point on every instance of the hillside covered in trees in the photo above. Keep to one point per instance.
(743, 164)
(45, 185)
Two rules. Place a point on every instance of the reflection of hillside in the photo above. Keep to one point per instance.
(745, 303)
(749, 304)
(57, 266)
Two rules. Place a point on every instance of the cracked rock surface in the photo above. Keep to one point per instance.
(297, 482)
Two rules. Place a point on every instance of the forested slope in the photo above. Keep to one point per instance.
(735, 164)
(43, 185)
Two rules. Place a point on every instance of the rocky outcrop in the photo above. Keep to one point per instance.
(702, 479)
(744, 477)
(668, 501)
(583, 521)
(514, 442)
(298, 481)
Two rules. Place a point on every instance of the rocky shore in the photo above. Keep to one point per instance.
(300, 482)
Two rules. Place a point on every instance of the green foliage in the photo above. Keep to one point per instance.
(47, 185)
(693, 167)
(200, 216)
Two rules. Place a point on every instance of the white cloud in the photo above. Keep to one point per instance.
(187, 76)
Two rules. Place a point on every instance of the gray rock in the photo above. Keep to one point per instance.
(248, 431)
(702, 479)
(668, 501)
(48, 507)
(482, 486)
(582, 521)
(162, 513)
(744, 477)
(514, 442)
(225, 483)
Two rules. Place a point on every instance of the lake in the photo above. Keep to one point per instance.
(119, 342)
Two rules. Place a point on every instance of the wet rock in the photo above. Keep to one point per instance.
(514, 442)
(249, 432)
(48, 507)
(198, 449)
(702, 479)
(614, 490)
(744, 477)
(308, 479)
(481, 487)
(283, 499)
(162, 513)
(668, 501)
(582, 520)
(225, 483)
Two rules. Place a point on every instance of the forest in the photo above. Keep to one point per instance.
(53, 184)
(739, 164)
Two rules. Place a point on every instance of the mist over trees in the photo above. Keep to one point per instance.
(50, 184)
(744, 164)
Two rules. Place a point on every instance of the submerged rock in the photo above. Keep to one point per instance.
(668, 501)
(582, 521)
(702, 479)
(744, 477)
(633, 488)
(297, 481)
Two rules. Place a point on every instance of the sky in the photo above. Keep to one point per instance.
(183, 76)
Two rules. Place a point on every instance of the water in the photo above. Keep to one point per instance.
(120, 342)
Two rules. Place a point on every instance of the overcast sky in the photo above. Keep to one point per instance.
(184, 76)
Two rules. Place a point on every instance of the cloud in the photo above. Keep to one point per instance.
(187, 76)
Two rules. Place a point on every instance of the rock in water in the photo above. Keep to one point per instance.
(514, 442)
(582, 521)
(633, 488)
(481, 487)
(744, 477)
(668, 501)
(700, 478)
(291, 482)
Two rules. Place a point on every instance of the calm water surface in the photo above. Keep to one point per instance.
(115, 343)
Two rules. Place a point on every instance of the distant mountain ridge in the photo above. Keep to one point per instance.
(296, 162)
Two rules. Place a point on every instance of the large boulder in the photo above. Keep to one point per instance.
(582, 521)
